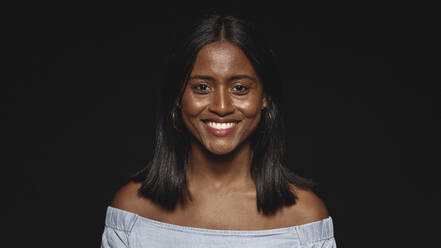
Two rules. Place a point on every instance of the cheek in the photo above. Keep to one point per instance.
(250, 108)
(191, 106)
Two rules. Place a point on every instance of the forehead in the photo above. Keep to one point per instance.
(222, 59)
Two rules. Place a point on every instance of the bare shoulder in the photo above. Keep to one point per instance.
(127, 198)
(308, 208)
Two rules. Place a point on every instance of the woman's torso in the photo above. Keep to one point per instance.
(230, 220)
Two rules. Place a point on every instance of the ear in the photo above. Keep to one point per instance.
(264, 100)
(177, 103)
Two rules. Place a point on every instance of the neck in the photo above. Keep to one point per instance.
(219, 174)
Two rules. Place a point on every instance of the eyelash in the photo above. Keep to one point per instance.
(245, 88)
(196, 86)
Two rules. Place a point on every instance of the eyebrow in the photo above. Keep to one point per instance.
(235, 77)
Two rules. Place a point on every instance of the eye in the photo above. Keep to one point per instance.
(200, 88)
(241, 89)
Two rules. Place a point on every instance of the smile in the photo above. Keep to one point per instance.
(220, 129)
(220, 125)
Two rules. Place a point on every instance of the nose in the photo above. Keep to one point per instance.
(221, 103)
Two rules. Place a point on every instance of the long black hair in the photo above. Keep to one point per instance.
(164, 177)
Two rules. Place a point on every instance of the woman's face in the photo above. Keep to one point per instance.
(222, 101)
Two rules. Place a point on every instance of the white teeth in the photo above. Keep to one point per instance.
(221, 125)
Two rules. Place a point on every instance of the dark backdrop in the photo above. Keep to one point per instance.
(364, 115)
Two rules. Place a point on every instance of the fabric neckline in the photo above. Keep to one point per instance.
(324, 222)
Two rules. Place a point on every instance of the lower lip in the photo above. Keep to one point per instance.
(220, 132)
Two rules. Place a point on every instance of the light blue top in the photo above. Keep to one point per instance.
(127, 229)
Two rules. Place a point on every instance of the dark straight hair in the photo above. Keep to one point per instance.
(164, 177)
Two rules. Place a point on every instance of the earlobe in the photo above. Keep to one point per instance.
(177, 104)
(264, 101)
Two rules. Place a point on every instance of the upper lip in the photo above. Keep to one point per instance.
(220, 120)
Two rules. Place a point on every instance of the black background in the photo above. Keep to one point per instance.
(363, 104)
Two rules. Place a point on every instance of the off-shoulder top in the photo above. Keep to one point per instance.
(127, 229)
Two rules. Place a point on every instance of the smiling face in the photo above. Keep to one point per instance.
(223, 98)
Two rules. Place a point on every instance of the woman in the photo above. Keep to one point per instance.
(217, 177)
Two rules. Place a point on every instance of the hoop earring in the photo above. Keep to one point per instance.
(174, 122)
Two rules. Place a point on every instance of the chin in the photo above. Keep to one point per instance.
(220, 151)
(224, 148)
